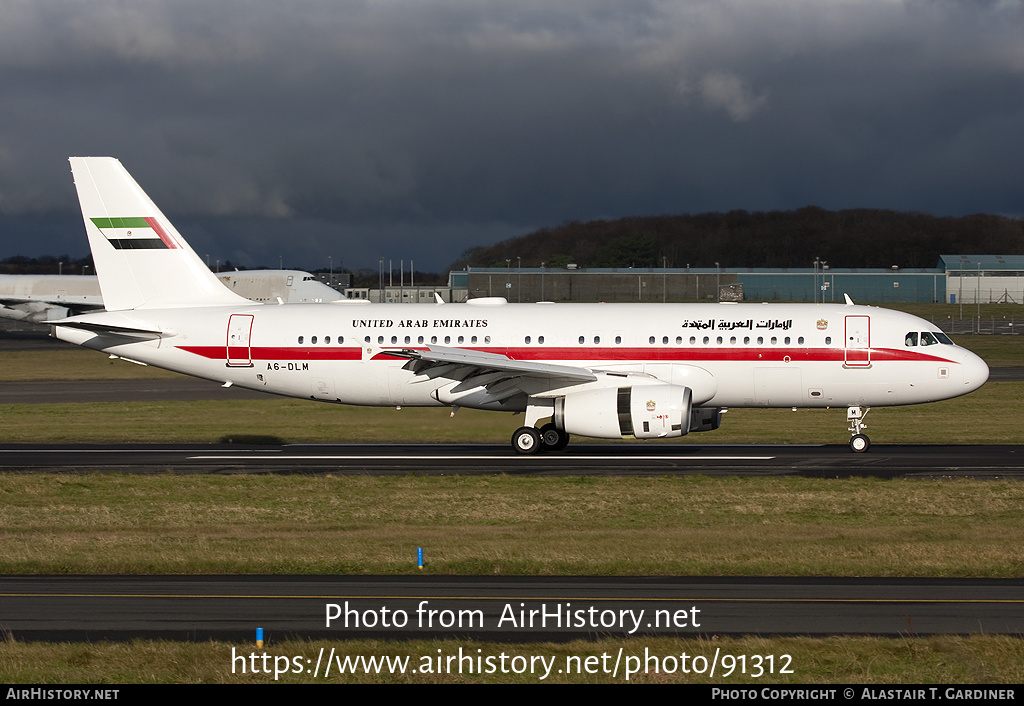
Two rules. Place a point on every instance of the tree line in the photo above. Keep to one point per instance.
(847, 238)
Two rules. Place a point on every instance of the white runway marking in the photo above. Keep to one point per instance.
(644, 459)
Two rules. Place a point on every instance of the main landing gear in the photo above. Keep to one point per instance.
(528, 440)
(859, 443)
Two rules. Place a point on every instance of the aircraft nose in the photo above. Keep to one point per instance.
(975, 372)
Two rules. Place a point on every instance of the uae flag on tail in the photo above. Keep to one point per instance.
(135, 233)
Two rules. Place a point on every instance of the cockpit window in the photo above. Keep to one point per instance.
(928, 338)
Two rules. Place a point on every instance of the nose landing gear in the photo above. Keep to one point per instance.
(859, 443)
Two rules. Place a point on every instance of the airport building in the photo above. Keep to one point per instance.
(988, 279)
(957, 278)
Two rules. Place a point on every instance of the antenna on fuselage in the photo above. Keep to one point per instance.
(849, 302)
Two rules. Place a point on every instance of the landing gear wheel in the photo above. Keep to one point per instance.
(526, 440)
(859, 443)
(552, 438)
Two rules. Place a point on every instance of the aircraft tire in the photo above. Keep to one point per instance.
(552, 438)
(526, 440)
(859, 443)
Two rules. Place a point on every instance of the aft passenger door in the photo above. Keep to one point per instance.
(858, 341)
(239, 353)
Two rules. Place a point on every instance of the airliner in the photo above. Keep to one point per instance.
(611, 371)
(39, 299)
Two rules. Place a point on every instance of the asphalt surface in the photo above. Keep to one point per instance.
(622, 459)
(91, 608)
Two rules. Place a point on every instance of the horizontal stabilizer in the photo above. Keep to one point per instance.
(109, 330)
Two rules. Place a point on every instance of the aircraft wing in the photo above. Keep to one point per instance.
(42, 311)
(464, 363)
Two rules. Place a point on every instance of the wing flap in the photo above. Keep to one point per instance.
(482, 361)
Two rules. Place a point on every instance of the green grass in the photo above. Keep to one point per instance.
(523, 525)
(997, 351)
(72, 364)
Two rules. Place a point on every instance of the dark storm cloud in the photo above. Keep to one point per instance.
(360, 129)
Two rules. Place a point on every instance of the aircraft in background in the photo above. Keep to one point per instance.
(44, 298)
(649, 371)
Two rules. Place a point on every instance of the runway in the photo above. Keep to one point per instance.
(81, 608)
(623, 459)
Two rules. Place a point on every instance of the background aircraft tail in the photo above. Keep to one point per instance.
(141, 259)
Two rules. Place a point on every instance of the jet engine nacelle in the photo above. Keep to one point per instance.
(641, 411)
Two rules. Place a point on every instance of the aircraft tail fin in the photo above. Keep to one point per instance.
(141, 260)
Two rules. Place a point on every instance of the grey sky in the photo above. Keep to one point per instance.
(404, 129)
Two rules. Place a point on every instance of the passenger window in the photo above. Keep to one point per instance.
(911, 339)
(693, 340)
(528, 339)
(540, 339)
(581, 340)
(300, 340)
(651, 340)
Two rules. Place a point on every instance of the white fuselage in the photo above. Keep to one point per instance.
(729, 355)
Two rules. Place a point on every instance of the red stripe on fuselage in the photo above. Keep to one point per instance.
(282, 353)
(570, 355)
